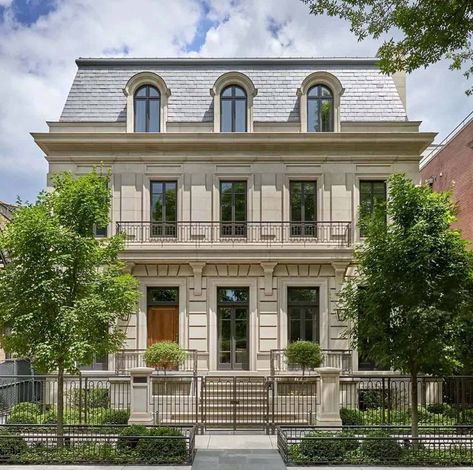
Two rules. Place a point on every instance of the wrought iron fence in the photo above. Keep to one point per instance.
(306, 445)
(40, 444)
(92, 400)
(386, 399)
(339, 358)
(127, 359)
(338, 233)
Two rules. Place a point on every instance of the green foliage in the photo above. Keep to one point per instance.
(466, 417)
(380, 446)
(97, 397)
(115, 417)
(351, 417)
(172, 449)
(304, 354)
(428, 30)
(128, 439)
(27, 408)
(165, 355)
(22, 418)
(10, 446)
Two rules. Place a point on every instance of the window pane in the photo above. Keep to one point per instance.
(309, 202)
(227, 92)
(240, 207)
(157, 205)
(325, 91)
(153, 92)
(156, 187)
(171, 202)
(313, 116)
(141, 93)
(313, 91)
(163, 295)
(240, 115)
(140, 116)
(226, 117)
(303, 295)
(326, 115)
(239, 187)
(232, 295)
(226, 187)
(226, 208)
(239, 91)
(295, 197)
(153, 125)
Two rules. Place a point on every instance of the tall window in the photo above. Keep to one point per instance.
(147, 109)
(163, 208)
(319, 109)
(233, 208)
(233, 103)
(303, 202)
(372, 195)
(303, 313)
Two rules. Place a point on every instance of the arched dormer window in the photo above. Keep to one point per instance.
(146, 103)
(319, 109)
(320, 95)
(233, 94)
(147, 109)
(233, 105)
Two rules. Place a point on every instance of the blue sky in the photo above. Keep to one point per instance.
(40, 39)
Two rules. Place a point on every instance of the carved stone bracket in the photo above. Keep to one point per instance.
(340, 268)
(197, 267)
(268, 268)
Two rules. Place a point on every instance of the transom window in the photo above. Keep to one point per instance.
(303, 313)
(303, 202)
(163, 208)
(163, 295)
(233, 104)
(320, 109)
(147, 109)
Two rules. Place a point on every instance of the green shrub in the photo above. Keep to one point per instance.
(466, 417)
(372, 398)
(351, 417)
(72, 417)
(95, 397)
(384, 448)
(11, 445)
(22, 418)
(304, 354)
(94, 416)
(26, 407)
(328, 449)
(115, 417)
(439, 408)
(129, 436)
(49, 417)
(170, 450)
(164, 355)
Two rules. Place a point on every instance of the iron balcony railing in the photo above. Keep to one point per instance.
(127, 359)
(337, 233)
(339, 358)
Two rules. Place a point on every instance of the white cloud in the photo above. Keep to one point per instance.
(37, 62)
(5, 3)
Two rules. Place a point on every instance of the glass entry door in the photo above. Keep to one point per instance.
(232, 312)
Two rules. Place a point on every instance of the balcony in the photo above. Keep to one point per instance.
(268, 234)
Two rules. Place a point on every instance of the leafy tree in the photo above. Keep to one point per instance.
(64, 291)
(430, 29)
(409, 303)
(304, 354)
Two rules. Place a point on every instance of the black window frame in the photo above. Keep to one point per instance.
(233, 227)
(303, 227)
(163, 228)
(233, 99)
(147, 99)
(302, 321)
(321, 98)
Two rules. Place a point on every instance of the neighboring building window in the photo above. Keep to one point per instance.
(233, 104)
(100, 363)
(163, 208)
(233, 208)
(303, 206)
(319, 109)
(303, 313)
(101, 232)
(372, 195)
(147, 109)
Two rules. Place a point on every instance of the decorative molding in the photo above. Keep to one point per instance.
(268, 268)
(340, 268)
(197, 267)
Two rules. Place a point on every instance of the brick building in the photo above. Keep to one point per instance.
(450, 167)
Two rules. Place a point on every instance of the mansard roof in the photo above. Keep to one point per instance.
(97, 93)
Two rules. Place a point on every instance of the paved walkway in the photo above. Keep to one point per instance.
(238, 459)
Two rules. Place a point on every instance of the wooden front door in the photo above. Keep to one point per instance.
(163, 324)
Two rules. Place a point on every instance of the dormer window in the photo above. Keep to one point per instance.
(320, 109)
(233, 102)
(147, 109)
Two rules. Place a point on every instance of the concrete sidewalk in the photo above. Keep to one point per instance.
(236, 441)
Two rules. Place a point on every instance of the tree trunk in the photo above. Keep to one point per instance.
(60, 404)
(414, 406)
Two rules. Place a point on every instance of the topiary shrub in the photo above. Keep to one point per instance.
(164, 355)
(115, 417)
(328, 449)
(381, 447)
(170, 450)
(26, 407)
(129, 436)
(304, 354)
(11, 445)
(22, 418)
(351, 417)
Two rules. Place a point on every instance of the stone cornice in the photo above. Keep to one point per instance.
(253, 146)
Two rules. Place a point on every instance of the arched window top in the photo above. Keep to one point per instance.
(147, 109)
(319, 91)
(233, 109)
(147, 97)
